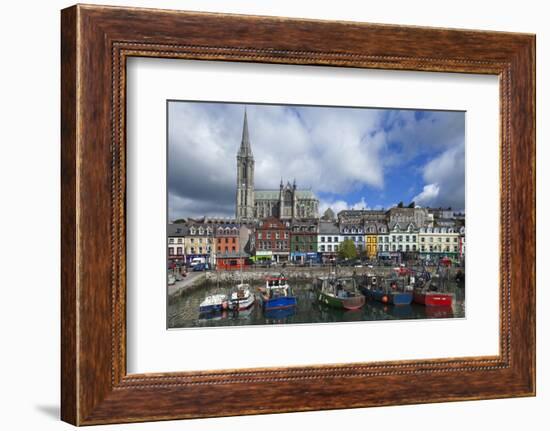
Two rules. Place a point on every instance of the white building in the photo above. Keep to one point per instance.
(403, 237)
(354, 232)
(439, 241)
(328, 238)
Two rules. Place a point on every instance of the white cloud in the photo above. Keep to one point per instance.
(447, 171)
(427, 196)
(340, 205)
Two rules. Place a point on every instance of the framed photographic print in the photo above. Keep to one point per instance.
(290, 207)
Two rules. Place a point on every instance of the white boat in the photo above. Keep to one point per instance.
(213, 303)
(171, 279)
(241, 298)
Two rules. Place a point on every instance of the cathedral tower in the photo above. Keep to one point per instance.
(244, 210)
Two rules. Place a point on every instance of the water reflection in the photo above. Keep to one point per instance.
(183, 311)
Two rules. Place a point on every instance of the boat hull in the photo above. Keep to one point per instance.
(280, 303)
(242, 304)
(434, 299)
(205, 309)
(351, 303)
(401, 298)
(385, 297)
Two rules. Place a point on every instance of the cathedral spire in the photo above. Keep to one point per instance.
(246, 149)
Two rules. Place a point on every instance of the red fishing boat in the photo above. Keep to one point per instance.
(433, 298)
(430, 295)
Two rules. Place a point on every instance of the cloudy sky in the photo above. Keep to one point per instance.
(350, 157)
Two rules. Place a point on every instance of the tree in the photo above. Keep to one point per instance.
(347, 250)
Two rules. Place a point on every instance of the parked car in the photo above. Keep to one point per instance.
(201, 267)
(197, 261)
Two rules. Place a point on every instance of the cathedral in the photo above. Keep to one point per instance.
(288, 202)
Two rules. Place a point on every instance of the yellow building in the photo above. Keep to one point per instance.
(199, 242)
(371, 240)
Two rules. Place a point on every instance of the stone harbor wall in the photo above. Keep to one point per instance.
(257, 276)
(292, 273)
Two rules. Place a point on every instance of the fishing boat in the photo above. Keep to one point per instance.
(339, 293)
(213, 303)
(393, 292)
(430, 294)
(277, 294)
(241, 298)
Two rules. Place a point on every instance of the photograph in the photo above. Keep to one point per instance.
(300, 214)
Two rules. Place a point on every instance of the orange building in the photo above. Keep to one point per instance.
(227, 239)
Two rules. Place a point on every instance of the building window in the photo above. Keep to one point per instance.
(329, 247)
(322, 239)
(180, 241)
(171, 251)
(171, 241)
(329, 239)
(414, 247)
(414, 238)
(179, 251)
(322, 248)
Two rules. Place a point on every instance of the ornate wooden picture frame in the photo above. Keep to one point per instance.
(96, 42)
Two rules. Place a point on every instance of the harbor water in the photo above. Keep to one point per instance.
(183, 309)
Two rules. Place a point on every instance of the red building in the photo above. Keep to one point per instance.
(272, 239)
(231, 261)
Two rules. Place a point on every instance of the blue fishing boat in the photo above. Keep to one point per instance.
(393, 292)
(277, 294)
